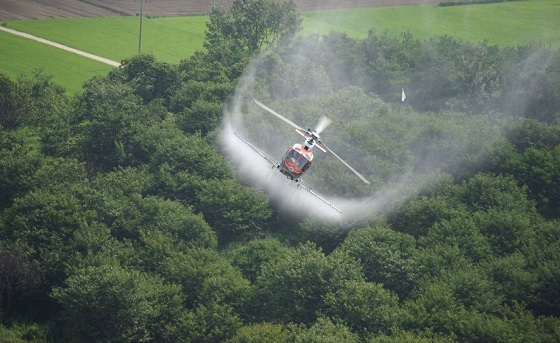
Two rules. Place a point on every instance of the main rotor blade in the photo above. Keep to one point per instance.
(323, 123)
(276, 114)
(346, 164)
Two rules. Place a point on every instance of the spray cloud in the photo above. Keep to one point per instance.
(399, 166)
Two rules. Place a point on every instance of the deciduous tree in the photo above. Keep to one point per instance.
(292, 289)
(109, 303)
(253, 24)
(20, 277)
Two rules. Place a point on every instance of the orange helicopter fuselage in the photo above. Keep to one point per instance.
(296, 161)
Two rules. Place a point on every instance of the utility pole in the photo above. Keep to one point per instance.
(142, 2)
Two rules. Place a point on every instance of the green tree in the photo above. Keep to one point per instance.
(57, 172)
(462, 232)
(387, 257)
(543, 259)
(381, 55)
(93, 245)
(292, 289)
(435, 77)
(260, 332)
(111, 117)
(149, 78)
(19, 277)
(253, 24)
(507, 231)
(250, 257)
(43, 222)
(365, 307)
(234, 211)
(48, 99)
(125, 182)
(199, 99)
(435, 307)
(336, 54)
(18, 164)
(538, 170)
(515, 280)
(30, 100)
(483, 192)
(211, 322)
(213, 89)
(437, 259)
(530, 133)
(14, 103)
(202, 117)
(474, 289)
(480, 77)
(110, 303)
(24, 332)
(191, 154)
(530, 88)
(420, 214)
(286, 75)
(547, 301)
(206, 277)
(323, 330)
(129, 216)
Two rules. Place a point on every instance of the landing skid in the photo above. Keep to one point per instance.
(293, 182)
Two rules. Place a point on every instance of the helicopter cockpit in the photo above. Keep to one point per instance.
(296, 161)
(303, 163)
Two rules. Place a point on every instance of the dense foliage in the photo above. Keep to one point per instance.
(121, 221)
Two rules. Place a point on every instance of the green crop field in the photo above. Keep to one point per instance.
(505, 23)
(116, 38)
(171, 39)
(24, 56)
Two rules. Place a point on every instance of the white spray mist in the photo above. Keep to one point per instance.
(284, 193)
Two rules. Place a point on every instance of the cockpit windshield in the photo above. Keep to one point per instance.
(303, 163)
(297, 159)
(292, 156)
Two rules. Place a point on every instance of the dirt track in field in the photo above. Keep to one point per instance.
(45, 9)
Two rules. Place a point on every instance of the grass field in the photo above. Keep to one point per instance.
(174, 38)
(115, 38)
(505, 23)
(24, 56)
(170, 39)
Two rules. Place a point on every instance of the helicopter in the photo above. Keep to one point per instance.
(299, 157)
(297, 160)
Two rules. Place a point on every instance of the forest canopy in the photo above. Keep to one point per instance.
(122, 219)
